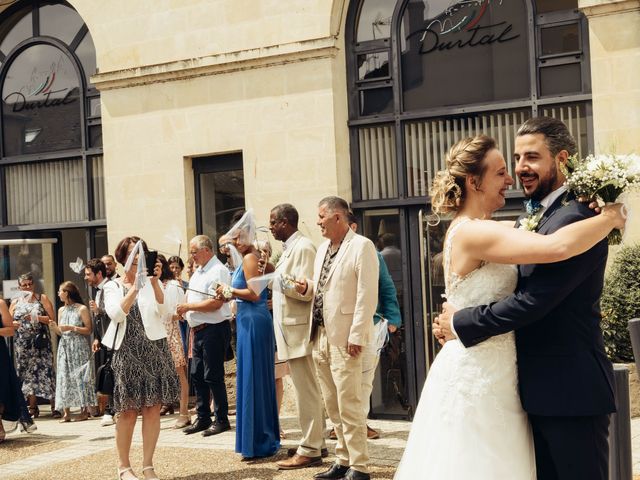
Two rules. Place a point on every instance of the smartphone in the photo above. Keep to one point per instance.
(150, 258)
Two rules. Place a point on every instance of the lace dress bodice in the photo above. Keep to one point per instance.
(477, 367)
(486, 284)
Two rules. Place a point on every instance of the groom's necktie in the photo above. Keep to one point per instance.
(532, 206)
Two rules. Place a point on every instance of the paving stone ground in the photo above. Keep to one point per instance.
(85, 450)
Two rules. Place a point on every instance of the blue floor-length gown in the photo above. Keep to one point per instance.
(257, 426)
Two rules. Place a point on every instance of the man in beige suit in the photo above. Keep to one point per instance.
(291, 314)
(345, 295)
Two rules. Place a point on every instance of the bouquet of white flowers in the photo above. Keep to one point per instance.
(603, 178)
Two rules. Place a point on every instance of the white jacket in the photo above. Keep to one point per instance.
(151, 311)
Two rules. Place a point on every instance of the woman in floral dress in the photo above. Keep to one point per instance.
(32, 314)
(74, 376)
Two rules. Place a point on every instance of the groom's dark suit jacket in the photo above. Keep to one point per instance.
(562, 366)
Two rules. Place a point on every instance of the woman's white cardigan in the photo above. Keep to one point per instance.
(151, 311)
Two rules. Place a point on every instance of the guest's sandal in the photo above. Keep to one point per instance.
(82, 417)
(155, 477)
(122, 471)
(182, 421)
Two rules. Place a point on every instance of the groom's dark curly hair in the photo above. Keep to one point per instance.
(556, 133)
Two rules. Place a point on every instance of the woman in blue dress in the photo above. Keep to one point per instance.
(257, 426)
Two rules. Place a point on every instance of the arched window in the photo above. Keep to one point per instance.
(423, 74)
(51, 149)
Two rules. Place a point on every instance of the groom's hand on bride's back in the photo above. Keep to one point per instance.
(442, 324)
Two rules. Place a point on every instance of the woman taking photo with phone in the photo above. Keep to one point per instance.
(145, 376)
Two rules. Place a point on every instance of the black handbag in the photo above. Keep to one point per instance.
(105, 380)
(43, 337)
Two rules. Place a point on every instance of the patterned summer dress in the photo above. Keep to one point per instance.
(74, 377)
(144, 372)
(174, 294)
(34, 365)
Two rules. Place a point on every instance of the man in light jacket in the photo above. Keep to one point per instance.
(291, 315)
(345, 295)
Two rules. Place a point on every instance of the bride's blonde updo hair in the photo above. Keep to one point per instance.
(465, 158)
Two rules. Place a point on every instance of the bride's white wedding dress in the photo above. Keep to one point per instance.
(469, 423)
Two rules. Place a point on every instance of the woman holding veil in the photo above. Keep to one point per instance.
(257, 426)
(144, 372)
(470, 422)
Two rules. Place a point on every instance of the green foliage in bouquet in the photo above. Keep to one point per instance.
(621, 302)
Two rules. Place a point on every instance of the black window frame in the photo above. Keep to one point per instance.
(399, 117)
(86, 152)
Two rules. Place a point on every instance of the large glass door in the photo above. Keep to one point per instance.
(392, 395)
(219, 188)
(23, 255)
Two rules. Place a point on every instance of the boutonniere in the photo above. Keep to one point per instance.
(534, 214)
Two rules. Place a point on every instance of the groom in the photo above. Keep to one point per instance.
(565, 378)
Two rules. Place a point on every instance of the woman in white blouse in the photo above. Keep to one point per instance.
(144, 373)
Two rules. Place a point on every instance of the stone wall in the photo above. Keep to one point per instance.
(614, 41)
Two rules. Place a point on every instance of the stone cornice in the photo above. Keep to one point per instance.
(217, 64)
(597, 8)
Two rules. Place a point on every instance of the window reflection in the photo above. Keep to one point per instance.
(372, 66)
(559, 79)
(560, 39)
(59, 21)
(40, 103)
(18, 259)
(225, 192)
(545, 6)
(15, 29)
(390, 393)
(375, 101)
(374, 20)
(465, 53)
(86, 52)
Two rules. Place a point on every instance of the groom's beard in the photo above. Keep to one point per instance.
(545, 184)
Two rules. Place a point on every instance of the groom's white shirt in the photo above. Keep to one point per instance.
(545, 202)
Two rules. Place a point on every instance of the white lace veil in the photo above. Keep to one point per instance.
(245, 231)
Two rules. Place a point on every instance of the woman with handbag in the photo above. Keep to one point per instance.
(32, 314)
(143, 369)
(74, 375)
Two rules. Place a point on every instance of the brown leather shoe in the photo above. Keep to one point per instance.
(372, 434)
(299, 461)
(294, 450)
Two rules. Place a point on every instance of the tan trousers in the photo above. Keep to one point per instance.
(341, 383)
(310, 409)
(370, 360)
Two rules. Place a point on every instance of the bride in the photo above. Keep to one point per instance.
(469, 422)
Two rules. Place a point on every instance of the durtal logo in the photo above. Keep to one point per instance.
(464, 18)
(45, 90)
